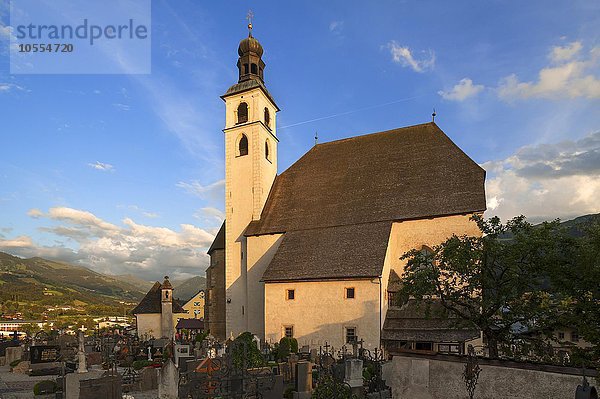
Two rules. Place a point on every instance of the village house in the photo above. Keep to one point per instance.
(157, 313)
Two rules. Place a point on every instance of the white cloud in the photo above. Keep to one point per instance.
(17, 242)
(122, 107)
(106, 167)
(212, 191)
(210, 214)
(462, 90)
(565, 78)
(6, 87)
(108, 248)
(5, 31)
(404, 56)
(566, 53)
(35, 213)
(546, 181)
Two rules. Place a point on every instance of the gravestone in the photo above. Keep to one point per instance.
(168, 381)
(182, 354)
(46, 387)
(81, 366)
(353, 376)
(106, 387)
(13, 353)
(45, 360)
(276, 392)
(303, 380)
(44, 354)
(93, 358)
(148, 379)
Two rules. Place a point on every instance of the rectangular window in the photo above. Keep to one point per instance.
(561, 335)
(351, 335)
(574, 336)
(289, 331)
(290, 294)
(350, 293)
(424, 346)
(196, 303)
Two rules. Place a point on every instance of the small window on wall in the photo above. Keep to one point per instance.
(242, 113)
(243, 146)
(254, 69)
(351, 335)
(424, 346)
(289, 331)
(350, 292)
(290, 295)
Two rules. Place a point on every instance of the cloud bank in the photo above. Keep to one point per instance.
(131, 248)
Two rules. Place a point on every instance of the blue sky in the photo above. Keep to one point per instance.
(124, 173)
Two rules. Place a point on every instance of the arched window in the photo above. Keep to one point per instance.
(243, 146)
(267, 153)
(245, 69)
(254, 69)
(242, 113)
(267, 117)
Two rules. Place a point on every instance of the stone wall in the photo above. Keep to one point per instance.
(440, 377)
(215, 295)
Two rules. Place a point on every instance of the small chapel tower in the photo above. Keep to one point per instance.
(250, 169)
(166, 315)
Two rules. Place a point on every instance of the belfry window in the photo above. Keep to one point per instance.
(245, 69)
(267, 117)
(243, 146)
(242, 113)
(254, 69)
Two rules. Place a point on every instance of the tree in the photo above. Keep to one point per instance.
(497, 282)
(577, 291)
(245, 353)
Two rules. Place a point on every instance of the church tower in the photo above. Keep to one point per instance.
(166, 311)
(250, 169)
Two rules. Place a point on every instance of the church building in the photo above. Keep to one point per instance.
(157, 313)
(314, 252)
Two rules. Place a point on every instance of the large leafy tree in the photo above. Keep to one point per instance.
(576, 286)
(498, 282)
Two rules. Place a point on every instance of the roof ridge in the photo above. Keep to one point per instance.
(373, 134)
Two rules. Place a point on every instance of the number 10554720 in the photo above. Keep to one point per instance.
(45, 48)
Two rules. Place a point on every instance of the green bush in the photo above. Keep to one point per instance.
(140, 364)
(14, 363)
(283, 350)
(44, 387)
(245, 352)
(286, 346)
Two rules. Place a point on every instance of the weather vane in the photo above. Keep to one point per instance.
(316, 138)
(433, 115)
(249, 17)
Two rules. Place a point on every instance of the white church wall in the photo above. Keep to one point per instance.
(261, 250)
(320, 311)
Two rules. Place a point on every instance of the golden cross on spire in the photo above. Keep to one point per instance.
(249, 17)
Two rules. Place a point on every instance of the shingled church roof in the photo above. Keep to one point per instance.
(407, 173)
(336, 204)
(151, 303)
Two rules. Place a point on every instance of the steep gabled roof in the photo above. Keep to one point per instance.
(219, 241)
(406, 173)
(355, 251)
(151, 303)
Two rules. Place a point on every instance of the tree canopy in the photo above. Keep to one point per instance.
(516, 282)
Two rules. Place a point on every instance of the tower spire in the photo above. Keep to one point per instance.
(249, 17)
